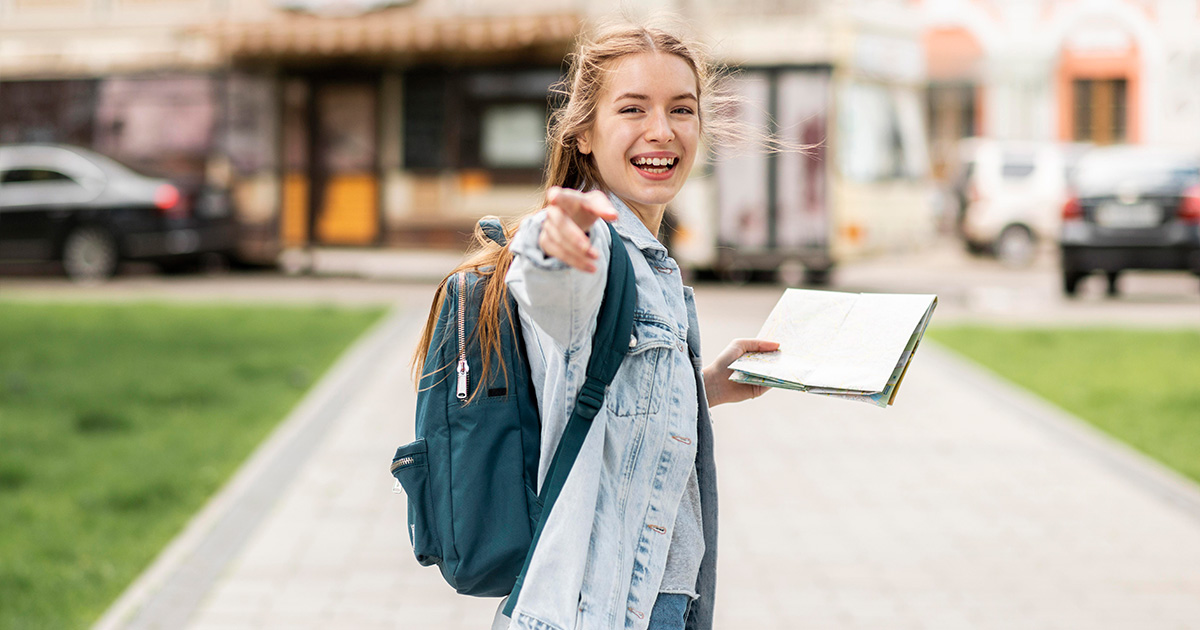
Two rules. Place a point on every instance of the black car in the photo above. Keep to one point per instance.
(1133, 208)
(67, 203)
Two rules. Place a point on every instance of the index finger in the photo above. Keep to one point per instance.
(756, 345)
(600, 205)
(574, 203)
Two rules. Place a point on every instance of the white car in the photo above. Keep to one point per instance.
(1013, 193)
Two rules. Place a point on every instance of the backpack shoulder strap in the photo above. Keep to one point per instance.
(615, 322)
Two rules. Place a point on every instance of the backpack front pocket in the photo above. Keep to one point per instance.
(410, 467)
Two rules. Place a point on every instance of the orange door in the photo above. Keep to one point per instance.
(345, 180)
(293, 221)
(331, 184)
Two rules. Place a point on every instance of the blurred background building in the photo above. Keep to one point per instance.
(336, 123)
(400, 122)
(1099, 71)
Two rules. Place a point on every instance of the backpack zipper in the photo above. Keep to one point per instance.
(463, 368)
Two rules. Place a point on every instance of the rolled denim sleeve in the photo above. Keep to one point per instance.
(563, 301)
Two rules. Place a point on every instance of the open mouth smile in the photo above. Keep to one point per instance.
(654, 166)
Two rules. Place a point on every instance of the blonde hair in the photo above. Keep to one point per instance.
(594, 56)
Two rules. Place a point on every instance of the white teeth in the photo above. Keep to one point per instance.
(654, 161)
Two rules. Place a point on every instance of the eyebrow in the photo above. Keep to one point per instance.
(643, 97)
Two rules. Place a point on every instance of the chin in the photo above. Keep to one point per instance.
(658, 196)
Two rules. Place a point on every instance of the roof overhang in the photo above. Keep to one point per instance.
(390, 32)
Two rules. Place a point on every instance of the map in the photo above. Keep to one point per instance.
(856, 346)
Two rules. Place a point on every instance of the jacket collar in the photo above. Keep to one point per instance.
(630, 227)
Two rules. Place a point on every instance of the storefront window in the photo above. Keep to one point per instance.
(512, 135)
(250, 124)
(346, 115)
(163, 126)
(1100, 110)
(493, 120)
(426, 98)
(48, 111)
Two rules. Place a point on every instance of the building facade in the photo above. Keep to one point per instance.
(400, 122)
(335, 122)
(1099, 71)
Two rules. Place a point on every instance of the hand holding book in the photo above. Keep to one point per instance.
(849, 345)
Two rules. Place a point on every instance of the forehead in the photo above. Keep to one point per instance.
(650, 73)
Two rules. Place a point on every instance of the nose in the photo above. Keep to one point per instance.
(658, 128)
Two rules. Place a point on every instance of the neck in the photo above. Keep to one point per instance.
(651, 216)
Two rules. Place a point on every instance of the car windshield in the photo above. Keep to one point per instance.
(1016, 170)
(1146, 172)
(1017, 164)
(110, 165)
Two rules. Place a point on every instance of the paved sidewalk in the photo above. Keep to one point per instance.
(967, 505)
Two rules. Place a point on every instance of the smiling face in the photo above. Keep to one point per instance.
(646, 128)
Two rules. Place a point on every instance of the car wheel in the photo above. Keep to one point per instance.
(1071, 282)
(1015, 247)
(89, 255)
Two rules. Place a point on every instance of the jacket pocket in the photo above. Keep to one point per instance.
(645, 373)
(410, 467)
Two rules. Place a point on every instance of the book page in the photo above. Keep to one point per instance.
(839, 341)
(870, 341)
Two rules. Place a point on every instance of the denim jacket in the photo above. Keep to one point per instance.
(601, 559)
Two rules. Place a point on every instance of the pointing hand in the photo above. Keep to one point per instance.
(569, 216)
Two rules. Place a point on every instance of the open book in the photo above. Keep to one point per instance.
(849, 345)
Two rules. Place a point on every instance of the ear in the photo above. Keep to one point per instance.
(584, 142)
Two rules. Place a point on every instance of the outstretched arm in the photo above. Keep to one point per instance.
(717, 385)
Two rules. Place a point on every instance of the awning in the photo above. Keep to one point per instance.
(389, 31)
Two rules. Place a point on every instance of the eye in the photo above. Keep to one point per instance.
(683, 110)
(630, 110)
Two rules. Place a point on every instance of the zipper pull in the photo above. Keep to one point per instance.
(463, 368)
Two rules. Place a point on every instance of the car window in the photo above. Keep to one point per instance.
(20, 175)
(1187, 176)
(1017, 165)
(1147, 173)
(1016, 170)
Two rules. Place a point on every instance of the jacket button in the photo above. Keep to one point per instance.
(632, 341)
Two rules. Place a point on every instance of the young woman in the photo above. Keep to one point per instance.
(631, 541)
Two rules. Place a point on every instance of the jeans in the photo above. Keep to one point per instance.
(670, 612)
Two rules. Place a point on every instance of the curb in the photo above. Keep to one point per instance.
(168, 592)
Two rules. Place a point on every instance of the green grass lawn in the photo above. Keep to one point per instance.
(1140, 386)
(117, 422)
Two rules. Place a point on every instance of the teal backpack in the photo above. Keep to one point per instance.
(471, 474)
